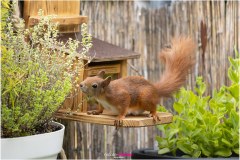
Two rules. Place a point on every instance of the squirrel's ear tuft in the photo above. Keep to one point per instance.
(101, 74)
(106, 82)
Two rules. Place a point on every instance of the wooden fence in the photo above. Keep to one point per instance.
(147, 31)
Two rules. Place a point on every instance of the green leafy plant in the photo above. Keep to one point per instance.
(36, 74)
(5, 9)
(205, 126)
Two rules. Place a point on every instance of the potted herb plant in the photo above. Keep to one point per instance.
(203, 126)
(36, 77)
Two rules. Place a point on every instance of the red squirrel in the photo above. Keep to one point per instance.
(134, 94)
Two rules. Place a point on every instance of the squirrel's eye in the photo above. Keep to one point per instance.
(94, 86)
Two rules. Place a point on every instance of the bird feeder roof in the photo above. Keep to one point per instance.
(102, 50)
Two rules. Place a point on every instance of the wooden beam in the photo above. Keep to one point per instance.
(62, 20)
(124, 71)
(104, 119)
(109, 69)
(104, 59)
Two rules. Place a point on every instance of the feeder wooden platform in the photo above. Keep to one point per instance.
(108, 119)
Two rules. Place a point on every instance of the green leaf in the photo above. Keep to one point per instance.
(236, 52)
(223, 152)
(233, 75)
(162, 109)
(172, 143)
(234, 90)
(214, 143)
(234, 62)
(186, 156)
(178, 107)
(172, 133)
(197, 154)
(161, 141)
(227, 133)
(236, 150)
(194, 146)
(234, 117)
(205, 151)
(185, 147)
(163, 151)
(201, 86)
(226, 142)
(217, 134)
(196, 132)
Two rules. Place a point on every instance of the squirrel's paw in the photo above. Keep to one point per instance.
(94, 112)
(156, 118)
(118, 123)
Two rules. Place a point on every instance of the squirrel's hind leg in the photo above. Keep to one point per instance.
(119, 120)
(122, 113)
(155, 116)
(123, 105)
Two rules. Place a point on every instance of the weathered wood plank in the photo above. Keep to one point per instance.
(62, 20)
(109, 69)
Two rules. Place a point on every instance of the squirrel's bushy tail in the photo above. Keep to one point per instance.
(178, 59)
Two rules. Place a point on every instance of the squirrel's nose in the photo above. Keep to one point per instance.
(81, 85)
(83, 88)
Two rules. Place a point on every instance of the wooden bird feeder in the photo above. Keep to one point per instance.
(110, 58)
(66, 14)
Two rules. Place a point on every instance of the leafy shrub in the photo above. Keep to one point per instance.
(36, 75)
(205, 126)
